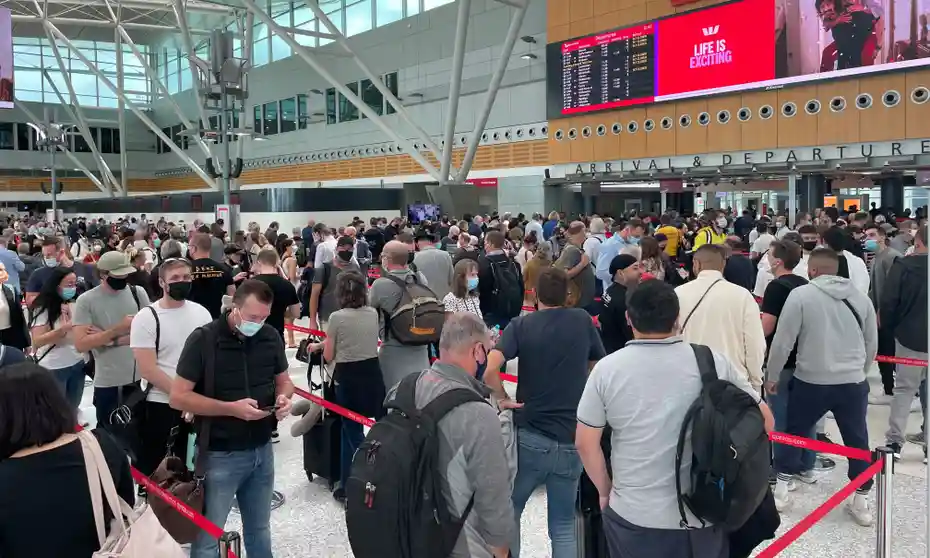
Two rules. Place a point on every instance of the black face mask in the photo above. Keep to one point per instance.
(410, 256)
(117, 283)
(179, 291)
(809, 245)
(345, 255)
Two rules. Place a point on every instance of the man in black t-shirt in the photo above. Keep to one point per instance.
(615, 330)
(285, 306)
(783, 256)
(211, 279)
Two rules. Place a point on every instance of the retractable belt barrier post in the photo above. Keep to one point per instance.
(230, 544)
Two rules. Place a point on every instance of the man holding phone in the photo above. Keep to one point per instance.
(242, 358)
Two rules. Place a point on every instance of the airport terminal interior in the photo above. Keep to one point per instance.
(336, 110)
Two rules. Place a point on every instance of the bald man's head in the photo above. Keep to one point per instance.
(395, 254)
(709, 257)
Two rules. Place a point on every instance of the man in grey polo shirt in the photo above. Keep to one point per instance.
(642, 392)
(102, 319)
(433, 263)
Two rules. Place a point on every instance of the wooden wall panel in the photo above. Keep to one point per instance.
(633, 145)
(692, 139)
(581, 27)
(631, 14)
(658, 8)
(559, 33)
(723, 137)
(606, 147)
(881, 123)
(798, 129)
(756, 132)
(604, 7)
(557, 13)
(579, 10)
(583, 147)
(660, 142)
(918, 116)
(838, 127)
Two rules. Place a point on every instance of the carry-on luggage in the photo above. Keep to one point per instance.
(322, 447)
(592, 542)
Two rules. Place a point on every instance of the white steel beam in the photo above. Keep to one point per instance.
(375, 80)
(77, 162)
(155, 6)
(188, 44)
(104, 23)
(311, 60)
(121, 109)
(153, 77)
(245, 29)
(455, 86)
(516, 21)
(129, 104)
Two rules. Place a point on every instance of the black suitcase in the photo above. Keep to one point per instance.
(322, 444)
(592, 542)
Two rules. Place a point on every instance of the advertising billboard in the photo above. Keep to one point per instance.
(735, 46)
(6, 58)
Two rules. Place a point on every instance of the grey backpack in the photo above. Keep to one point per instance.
(419, 316)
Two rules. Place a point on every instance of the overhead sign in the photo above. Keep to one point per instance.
(732, 47)
(483, 182)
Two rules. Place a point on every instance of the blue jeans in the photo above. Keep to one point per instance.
(351, 438)
(778, 403)
(248, 476)
(541, 460)
(71, 379)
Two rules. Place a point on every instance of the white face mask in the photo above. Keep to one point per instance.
(722, 222)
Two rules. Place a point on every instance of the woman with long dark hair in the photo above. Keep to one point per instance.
(50, 320)
(13, 329)
(42, 469)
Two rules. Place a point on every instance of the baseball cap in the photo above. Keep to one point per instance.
(620, 262)
(115, 263)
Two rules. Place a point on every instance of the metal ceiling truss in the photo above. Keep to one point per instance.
(446, 174)
(145, 15)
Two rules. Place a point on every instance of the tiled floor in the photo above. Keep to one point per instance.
(310, 524)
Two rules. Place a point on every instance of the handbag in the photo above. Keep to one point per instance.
(133, 534)
(172, 474)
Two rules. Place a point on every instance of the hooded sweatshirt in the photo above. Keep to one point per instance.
(833, 348)
(904, 302)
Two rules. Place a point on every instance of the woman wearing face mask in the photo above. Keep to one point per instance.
(13, 328)
(50, 320)
(464, 294)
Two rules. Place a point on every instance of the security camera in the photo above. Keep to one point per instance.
(839, 166)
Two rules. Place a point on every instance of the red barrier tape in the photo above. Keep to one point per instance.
(508, 377)
(805, 524)
(179, 506)
(338, 409)
(820, 447)
(900, 360)
(306, 330)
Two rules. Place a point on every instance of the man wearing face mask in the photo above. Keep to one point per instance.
(323, 299)
(629, 235)
(781, 227)
(251, 391)
(883, 259)
(157, 336)
(713, 231)
(55, 255)
(286, 304)
(102, 319)
(615, 329)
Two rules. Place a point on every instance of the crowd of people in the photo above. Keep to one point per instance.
(184, 330)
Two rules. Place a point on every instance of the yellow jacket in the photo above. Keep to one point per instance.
(706, 235)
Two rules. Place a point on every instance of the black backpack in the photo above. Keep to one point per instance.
(730, 460)
(394, 502)
(300, 253)
(508, 287)
(418, 318)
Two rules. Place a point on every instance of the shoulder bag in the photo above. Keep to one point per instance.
(700, 300)
(133, 534)
(172, 474)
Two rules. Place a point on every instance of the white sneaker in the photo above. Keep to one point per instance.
(807, 477)
(881, 398)
(781, 494)
(915, 406)
(858, 508)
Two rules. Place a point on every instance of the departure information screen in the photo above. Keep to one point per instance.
(728, 47)
(610, 70)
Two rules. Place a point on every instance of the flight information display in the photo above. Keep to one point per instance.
(610, 70)
(728, 47)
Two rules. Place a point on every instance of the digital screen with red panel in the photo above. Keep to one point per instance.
(735, 46)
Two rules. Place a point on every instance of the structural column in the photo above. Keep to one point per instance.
(811, 188)
(892, 189)
(589, 193)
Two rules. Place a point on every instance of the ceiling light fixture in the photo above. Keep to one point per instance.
(528, 39)
(417, 95)
(529, 56)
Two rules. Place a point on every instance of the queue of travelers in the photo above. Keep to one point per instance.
(184, 330)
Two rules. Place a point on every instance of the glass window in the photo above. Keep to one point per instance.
(215, 122)
(6, 135)
(279, 49)
(260, 53)
(80, 142)
(107, 102)
(288, 115)
(257, 119)
(176, 135)
(304, 39)
(331, 105)
(270, 111)
(116, 139)
(187, 79)
(28, 80)
(358, 18)
(413, 7)
(302, 111)
(347, 111)
(106, 140)
(372, 97)
(336, 18)
(85, 84)
(33, 138)
(22, 136)
(390, 81)
(388, 11)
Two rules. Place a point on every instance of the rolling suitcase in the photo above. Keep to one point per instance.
(592, 542)
(323, 444)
